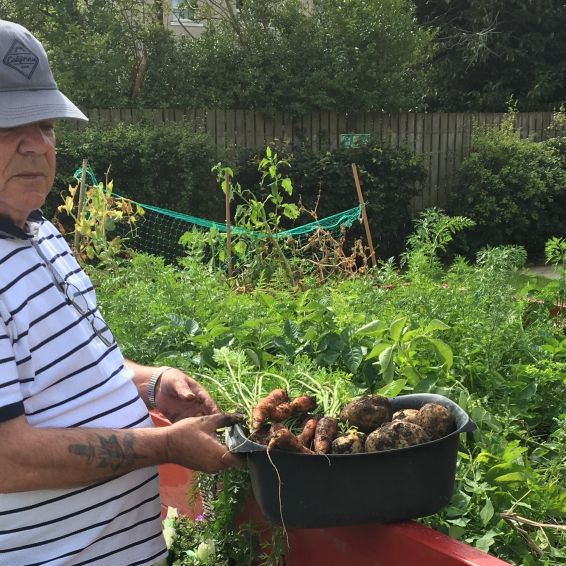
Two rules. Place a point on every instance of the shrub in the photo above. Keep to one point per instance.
(165, 165)
(513, 188)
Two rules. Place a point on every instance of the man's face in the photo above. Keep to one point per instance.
(27, 168)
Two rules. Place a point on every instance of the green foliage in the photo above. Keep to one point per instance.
(98, 219)
(461, 333)
(165, 165)
(99, 51)
(513, 188)
(292, 56)
(489, 50)
(324, 184)
(262, 216)
(272, 54)
(215, 539)
(433, 231)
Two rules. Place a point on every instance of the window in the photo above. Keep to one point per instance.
(183, 9)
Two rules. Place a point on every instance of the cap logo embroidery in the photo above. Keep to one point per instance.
(21, 59)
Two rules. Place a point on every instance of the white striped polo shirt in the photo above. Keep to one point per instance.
(56, 370)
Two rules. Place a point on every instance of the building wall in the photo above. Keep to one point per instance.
(178, 22)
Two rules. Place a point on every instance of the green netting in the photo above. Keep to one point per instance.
(159, 231)
(345, 218)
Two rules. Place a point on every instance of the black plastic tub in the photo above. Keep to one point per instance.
(315, 491)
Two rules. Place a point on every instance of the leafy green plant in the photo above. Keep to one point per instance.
(404, 351)
(215, 538)
(555, 252)
(95, 218)
(512, 188)
(433, 232)
(258, 218)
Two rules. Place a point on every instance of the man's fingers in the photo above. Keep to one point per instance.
(221, 420)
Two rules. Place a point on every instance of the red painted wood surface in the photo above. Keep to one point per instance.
(399, 544)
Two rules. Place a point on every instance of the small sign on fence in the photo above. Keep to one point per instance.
(351, 141)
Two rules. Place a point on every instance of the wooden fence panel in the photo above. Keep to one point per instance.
(240, 125)
(419, 150)
(249, 133)
(442, 139)
(220, 129)
(230, 138)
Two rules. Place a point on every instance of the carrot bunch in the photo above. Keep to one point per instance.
(267, 416)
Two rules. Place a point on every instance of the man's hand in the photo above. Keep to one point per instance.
(194, 443)
(179, 396)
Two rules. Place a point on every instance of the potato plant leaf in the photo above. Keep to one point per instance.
(353, 358)
(387, 364)
(487, 512)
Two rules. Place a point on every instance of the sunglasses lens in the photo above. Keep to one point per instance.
(77, 299)
(80, 304)
(102, 331)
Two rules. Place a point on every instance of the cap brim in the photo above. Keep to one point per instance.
(24, 107)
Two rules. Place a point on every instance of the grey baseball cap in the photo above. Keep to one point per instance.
(28, 91)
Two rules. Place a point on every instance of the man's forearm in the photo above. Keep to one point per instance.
(61, 458)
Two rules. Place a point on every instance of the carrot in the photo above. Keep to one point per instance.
(324, 434)
(281, 412)
(275, 427)
(306, 435)
(283, 439)
(301, 404)
(261, 412)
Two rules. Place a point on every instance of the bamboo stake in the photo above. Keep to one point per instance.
(228, 225)
(82, 188)
(364, 214)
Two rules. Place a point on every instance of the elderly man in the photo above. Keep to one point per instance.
(79, 480)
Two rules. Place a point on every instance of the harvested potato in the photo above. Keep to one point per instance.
(396, 434)
(409, 415)
(351, 443)
(367, 413)
(436, 419)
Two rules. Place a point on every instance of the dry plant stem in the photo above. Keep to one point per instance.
(511, 519)
(228, 226)
(519, 519)
(530, 543)
(364, 214)
(82, 189)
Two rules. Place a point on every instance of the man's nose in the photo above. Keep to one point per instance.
(35, 139)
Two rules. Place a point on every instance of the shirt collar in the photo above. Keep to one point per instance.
(8, 227)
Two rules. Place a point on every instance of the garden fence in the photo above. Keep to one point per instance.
(442, 138)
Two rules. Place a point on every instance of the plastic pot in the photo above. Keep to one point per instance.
(314, 491)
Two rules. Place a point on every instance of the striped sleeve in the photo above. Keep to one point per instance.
(11, 403)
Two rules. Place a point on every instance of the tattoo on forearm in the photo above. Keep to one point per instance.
(109, 453)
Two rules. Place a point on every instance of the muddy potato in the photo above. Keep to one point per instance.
(409, 415)
(396, 434)
(367, 413)
(351, 443)
(436, 419)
